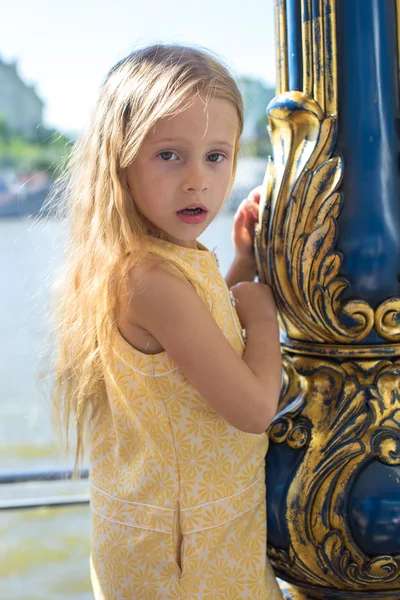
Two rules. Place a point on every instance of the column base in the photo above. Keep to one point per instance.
(295, 592)
(290, 592)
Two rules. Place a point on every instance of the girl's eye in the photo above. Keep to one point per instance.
(167, 155)
(215, 157)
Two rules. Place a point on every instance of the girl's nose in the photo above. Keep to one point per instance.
(195, 180)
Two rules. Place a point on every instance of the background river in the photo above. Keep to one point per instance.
(44, 553)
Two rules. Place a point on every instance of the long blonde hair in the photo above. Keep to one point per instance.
(104, 223)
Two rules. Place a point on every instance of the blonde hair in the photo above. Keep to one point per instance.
(104, 223)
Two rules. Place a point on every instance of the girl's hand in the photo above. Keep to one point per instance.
(244, 224)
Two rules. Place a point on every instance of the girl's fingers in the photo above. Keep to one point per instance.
(255, 194)
(239, 215)
(242, 209)
(253, 209)
(248, 208)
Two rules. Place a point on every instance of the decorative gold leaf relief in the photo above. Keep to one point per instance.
(387, 319)
(350, 412)
(295, 244)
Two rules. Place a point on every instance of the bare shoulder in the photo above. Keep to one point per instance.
(152, 280)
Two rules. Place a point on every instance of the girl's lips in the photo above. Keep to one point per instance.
(192, 219)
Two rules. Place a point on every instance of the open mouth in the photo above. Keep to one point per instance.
(193, 215)
(191, 211)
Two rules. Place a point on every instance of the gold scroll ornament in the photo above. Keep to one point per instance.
(323, 402)
(297, 232)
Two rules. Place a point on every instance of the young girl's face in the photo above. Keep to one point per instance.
(186, 161)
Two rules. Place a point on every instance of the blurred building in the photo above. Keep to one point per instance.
(256, 97)
(20, 105)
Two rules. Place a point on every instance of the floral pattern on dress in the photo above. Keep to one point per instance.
(178, 494)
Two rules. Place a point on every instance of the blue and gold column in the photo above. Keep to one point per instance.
(329, 244)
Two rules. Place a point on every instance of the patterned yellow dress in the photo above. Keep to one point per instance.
(178, 494)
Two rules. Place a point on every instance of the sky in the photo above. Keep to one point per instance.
(66, 47)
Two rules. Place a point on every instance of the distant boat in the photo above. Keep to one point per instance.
(25, 199)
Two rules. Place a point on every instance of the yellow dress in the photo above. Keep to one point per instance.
(178, 495)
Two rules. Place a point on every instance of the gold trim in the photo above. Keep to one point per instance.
(307, 45)
(331, 87)
(319, 54)
(398, 32)
(354, 351)
(318, 57)
(277, 49)
(282, 75)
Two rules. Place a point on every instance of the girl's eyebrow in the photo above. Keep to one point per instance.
(178, 139)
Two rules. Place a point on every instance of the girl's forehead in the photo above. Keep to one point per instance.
(199, 119)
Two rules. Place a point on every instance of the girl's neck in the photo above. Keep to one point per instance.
(191, 244)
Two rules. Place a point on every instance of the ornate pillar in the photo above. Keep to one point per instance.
(329, 244)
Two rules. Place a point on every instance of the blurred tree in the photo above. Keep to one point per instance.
(256, 97)
(5, 132)
(49, 151)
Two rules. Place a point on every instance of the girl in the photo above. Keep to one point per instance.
(152, 359)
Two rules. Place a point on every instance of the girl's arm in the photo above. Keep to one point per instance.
(243, 267)
(243, 391)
